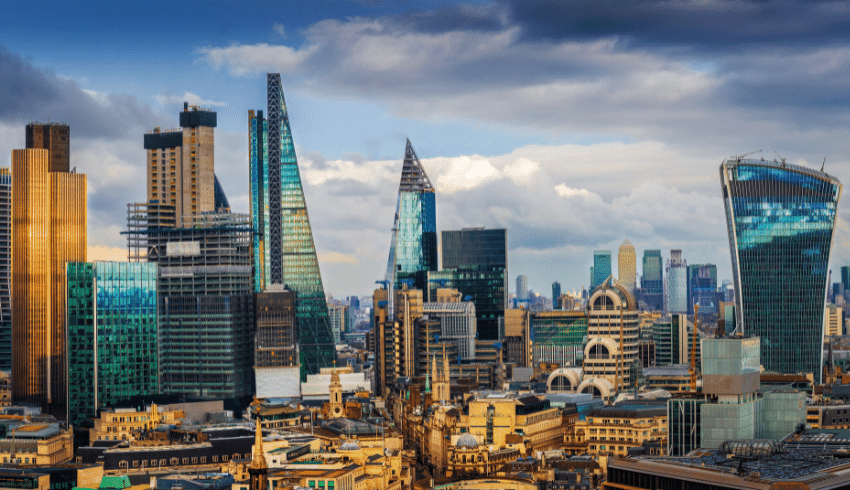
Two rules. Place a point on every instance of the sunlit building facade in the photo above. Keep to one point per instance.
(284, 252)
(780, 218)
(627, 265)
(48, 230)
(112, 334)
(5, 268)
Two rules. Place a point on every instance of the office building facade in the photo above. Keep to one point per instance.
(48, 230)
(780, 220)
(414, 239)
(276, 367)
(522, 289)
(652, 280)
(112, 334)
(556, 293)
(627, 265)
(601, 267)
(457, 324)
(677, 283)
(54, 137)
(283, 249)
(559, 337)
(475, 263)
(5, 268)
(702, 287)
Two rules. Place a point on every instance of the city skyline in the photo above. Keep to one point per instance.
(618, 129)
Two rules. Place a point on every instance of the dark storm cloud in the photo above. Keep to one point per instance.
(706, 24)
(30, 94)
(455, 18)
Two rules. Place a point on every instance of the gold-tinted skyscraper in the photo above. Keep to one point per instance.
(48, 230)
(627, 265)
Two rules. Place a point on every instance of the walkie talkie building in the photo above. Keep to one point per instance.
(780, 219)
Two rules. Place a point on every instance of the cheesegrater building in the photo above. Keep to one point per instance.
(780, 218)
(283, 247)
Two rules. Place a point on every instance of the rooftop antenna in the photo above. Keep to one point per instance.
(822, 164)
(739, 157)
(781, 158)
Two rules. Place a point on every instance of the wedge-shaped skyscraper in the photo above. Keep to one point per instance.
(414, 242)
(780, 219)
(284, 251)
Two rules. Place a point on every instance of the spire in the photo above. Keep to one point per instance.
(259, 460)
(445, 377)
(413, 176)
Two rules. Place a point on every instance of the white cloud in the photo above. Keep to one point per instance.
(189, 97)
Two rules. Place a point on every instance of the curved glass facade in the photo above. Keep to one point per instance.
(780, 220)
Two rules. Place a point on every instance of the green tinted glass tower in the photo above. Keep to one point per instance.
(285, 253)
(112, 334)
(780, 218)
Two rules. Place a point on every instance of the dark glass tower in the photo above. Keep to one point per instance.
(475, 262)
(283, 247)
(601, 266)
(652, 281)
(780, 219)
(414, 241)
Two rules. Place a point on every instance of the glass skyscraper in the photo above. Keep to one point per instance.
(601, 267)
(112, 334)
(780, 218)
(283, 247)
(414, 241)
(652, 281)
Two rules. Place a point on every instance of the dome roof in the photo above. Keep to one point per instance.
(349, 446)
(466, 441)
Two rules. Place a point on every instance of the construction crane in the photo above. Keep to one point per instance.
(740, 157)
(693, 369)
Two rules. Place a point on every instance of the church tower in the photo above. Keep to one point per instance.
(335, 408)
(259, 468)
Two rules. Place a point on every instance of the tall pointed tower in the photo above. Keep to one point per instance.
(414, 243)
(284, 252)
(259, 468)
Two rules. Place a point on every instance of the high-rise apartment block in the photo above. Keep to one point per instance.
(652, 280)
(5, 268)
(112, 334)
(414, 240)
(181, 164)
(627, 265)
(780, 219)
(48, 231)
(601, 267)
(677, 283)
(283, 248)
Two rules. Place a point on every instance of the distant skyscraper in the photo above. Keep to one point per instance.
(845, 277)
(780, 219)
(112, 334)
(702, 288)
(258, 157)
(288, 253)
(181, 164)
(601, 267)
(475, 262)
(627, 265)
(652, 280)
(48, 230)
(522, 288)
(5, 268)
(677, 283)
(556, 293)
(414, 240)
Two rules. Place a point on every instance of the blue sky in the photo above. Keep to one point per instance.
(575, 125)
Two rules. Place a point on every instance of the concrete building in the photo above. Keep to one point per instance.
(457, 324)
(627, 265)
(181, 164)
(48, 230)
(611, 353)
(615, 429)
(833, 324)
(518, 337)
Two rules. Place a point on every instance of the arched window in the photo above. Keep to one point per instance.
(598, 351)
